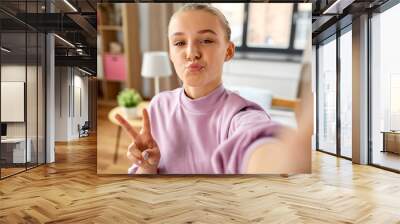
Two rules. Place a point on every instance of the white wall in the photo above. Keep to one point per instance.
(13, 73)
(85, 98)
(12, 101)
(80, 103)
(69, 85)
(17, 73)
(61, 103)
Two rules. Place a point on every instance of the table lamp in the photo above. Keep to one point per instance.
(155, 65)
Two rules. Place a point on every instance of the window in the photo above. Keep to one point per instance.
(327, 97)
(395, 102)
(22, 73)
(303, 25)
(268, 27)
(385, 88)
(346, 94)
(334, 108)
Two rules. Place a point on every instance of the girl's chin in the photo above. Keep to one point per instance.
(194, 80)
(193, 83)
(193, 73)
(193, 77)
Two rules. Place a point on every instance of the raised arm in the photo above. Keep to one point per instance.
(143, 151)
(290, 151)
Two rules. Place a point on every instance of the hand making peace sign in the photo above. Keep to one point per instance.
(143, 151)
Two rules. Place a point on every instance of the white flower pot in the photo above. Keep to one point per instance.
(130, 112)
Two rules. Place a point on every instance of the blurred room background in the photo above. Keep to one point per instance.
(269, 38)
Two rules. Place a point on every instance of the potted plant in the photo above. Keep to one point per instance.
(128, 99)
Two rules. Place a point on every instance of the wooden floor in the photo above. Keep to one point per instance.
(387, 159)
(10, 171)
(70, 191)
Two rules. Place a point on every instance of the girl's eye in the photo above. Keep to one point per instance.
(179, 43)
(207, 41)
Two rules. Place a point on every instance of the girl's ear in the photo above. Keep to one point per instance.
(230, 52)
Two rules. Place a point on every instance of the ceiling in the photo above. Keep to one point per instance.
(331, 15)
(76, 24)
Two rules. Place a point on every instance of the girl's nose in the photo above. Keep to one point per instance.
(192, 52)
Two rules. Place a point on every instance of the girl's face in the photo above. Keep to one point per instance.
(198, 48)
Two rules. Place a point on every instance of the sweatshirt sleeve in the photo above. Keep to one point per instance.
(247, 130)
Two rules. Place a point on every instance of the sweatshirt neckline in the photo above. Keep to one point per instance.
(203, 104)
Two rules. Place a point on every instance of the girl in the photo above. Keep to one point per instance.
(202, 128)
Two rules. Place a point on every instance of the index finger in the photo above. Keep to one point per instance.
(125, 124)
(146, 122)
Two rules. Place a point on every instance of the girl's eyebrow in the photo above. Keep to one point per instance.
(207, 31)
(200, 31)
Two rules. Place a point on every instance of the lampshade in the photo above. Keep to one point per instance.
(156, 64)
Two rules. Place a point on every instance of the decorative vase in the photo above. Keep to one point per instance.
(130, 112)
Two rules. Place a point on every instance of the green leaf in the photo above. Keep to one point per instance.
(129, 98)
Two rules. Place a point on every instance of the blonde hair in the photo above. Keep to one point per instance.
(208, 8)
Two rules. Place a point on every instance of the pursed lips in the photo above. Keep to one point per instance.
(194, 67)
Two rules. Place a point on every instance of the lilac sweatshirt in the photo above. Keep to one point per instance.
(214, 134)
